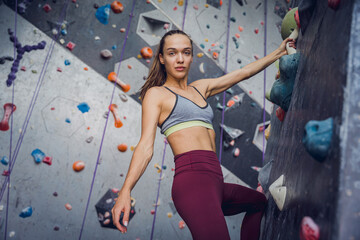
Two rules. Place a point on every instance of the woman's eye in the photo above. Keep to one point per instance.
(187, 53)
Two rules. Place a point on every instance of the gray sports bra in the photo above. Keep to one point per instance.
(186, 113)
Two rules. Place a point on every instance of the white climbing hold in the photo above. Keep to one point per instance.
(278, 192)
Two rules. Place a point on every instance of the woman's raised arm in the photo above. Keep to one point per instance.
(151, 107)
(214, 86)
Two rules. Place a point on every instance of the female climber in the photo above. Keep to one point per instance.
(182, 113)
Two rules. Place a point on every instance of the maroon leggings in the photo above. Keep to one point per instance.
(202, 198)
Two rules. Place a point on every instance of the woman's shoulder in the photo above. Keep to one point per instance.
(155, 93)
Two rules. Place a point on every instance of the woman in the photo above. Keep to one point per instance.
(199, 193)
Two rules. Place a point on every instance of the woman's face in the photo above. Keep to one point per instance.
(177, 56)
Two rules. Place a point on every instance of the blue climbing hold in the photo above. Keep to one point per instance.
(282, 89)
(67, 120)
(5, 160)
(67, 62)
(114, 47)
(26, 212)
(317, 138)
(83, 107)
(102, 14)
(63, 32)
(202, 46)
(38, 155)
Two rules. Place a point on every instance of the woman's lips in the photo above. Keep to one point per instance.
(180, 69)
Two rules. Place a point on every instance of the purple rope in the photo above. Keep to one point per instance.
(31, 107)
(265, 35)
(103, 136)
(185, 8)
(11, 130)
(158, 191)
(224, 93)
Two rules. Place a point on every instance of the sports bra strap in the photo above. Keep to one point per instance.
(169, 90)
(199, 93)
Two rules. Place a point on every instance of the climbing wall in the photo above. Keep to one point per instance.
(62, 96)
(321, 190)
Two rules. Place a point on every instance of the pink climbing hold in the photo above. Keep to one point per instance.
(9, 108)
(237, 35)
(47, 160)
(280, 113)
(236, 152)
(23, 68)
(309, 229)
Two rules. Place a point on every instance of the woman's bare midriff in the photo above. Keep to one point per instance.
(192, 138)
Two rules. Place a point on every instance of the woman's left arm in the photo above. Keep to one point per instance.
(214, 86)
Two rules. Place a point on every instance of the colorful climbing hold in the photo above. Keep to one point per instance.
(68, 206)
(267, 132)
(317, 138)
(38, 155)
(146, 52)
(280, 113)
(122, 147)
(47, 8)
(9, 108)
(240, 28)
(4, 160)
(215, 55)
(199, 55)
(182, 224)
(83, 107)
(26, 212)
(256, 30)
(67, 62)
(114, 110)
(237, 35)
(47, 160)
(169, 214)
(70, 45)
(309, 230)
(129, 66)
(106, 54)
(113, 78)
(233, 19)
(78, 166)
(117, 7)
(102, 14)
(196, 7)
(181, 3)
(236, 152)
(334, 4)
(122, 30)
(59, 69)
(68, 120)
(278, 192)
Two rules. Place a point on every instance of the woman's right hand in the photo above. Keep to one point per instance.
(123, 204)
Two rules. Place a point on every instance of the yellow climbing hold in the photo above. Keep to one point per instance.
(267, 132)
(181, 2)
(132, 148)
(169, 214)
(139, 56)
(206, 40)
(200, 55)
(206, 5)
(159, 1)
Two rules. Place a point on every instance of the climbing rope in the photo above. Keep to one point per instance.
(224, 93)
(107, 118)
(185, 9)
(264, 112)
(158, 191)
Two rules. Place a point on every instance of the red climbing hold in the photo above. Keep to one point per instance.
(280, 113)
(334, 4)
(70, 45)
(9, 108)
(47, 160)
(256, 30)
(47, 8)
(309, 229)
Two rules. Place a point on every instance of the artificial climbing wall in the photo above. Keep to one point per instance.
(324, 190)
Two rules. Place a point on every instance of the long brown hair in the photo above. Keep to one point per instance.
(157, 73)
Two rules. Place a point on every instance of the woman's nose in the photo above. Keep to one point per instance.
(180, 57)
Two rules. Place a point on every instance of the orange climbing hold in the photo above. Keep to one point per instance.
(237, 35)
(114, 110)
(215, 55)
(78, 166)
(221, 3)
(230, 103)
(113, 78)
(181, 224)
(122, 147)
(241, 28)
(146, 52)
(117, 7)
